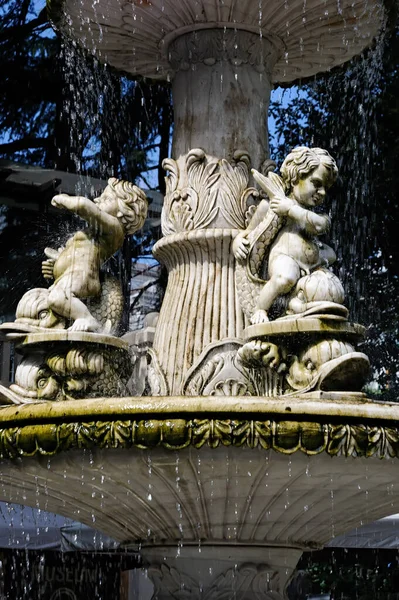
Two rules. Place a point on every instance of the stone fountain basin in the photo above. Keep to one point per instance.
(206, 470)
(136, 36)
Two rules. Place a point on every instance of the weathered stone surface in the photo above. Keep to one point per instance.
(337, 423)
(137, 37)
(209, 495)
(77, 299)
(68, 365)
(274, 477)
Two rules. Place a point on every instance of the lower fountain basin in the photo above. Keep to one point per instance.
(180, 477)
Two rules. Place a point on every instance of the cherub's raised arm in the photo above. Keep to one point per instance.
(311, 222)
(87, 210)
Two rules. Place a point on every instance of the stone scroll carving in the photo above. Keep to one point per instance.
(294, 301)
(243, 582)
(220, 372)
(66, 332)
(235, 46)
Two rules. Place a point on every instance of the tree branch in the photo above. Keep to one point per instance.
(18, 32)
(141, 292)
(27, 142)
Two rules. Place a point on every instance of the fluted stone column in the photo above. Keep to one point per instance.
(220, 94)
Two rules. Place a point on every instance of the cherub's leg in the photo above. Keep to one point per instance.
(284, 273)
(64, 302)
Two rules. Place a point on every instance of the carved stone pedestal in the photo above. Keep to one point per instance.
(65, 365)
(301, 355)
(220, 572)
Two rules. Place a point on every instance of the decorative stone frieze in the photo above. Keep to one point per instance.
(208, 46)
(31, 432)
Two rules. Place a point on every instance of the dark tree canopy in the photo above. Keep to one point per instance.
(62, 109)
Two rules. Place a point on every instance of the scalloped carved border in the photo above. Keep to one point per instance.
(285, 437)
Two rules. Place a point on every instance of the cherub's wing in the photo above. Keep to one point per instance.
(272, 184)
(263, 235)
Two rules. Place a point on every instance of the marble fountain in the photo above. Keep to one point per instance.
(253, 441)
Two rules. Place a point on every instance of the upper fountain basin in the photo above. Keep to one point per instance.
(308, 36)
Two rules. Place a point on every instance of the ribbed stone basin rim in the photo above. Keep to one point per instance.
(351, 427)
(135, 37)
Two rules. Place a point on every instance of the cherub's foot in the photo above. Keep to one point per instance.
(259, 316)
(89, 324)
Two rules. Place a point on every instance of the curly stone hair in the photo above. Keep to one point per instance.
(132, 204)
(302, 160)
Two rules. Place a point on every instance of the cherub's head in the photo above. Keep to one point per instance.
(308, 173)
(125, 201)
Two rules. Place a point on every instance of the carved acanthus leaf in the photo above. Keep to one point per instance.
(234, 195)
(252, 433)
(198, 188)
(213, 432)
(202, 177)
(156, 381)
(8, 442)
(114, 434)
(171, 181)
(190, 201)
(384, 441)
(285, 437)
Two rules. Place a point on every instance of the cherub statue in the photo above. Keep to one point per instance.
(294, 251)
(119, 211)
